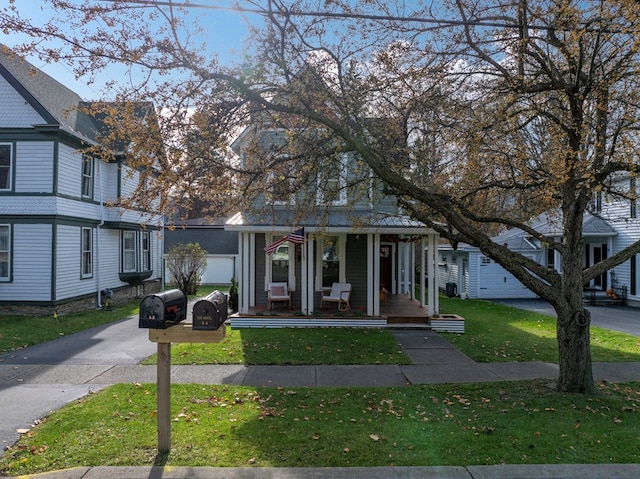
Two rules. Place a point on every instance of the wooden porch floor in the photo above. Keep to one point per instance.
(398, 308)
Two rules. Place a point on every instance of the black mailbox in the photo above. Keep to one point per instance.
(210, 312)
(162, 310)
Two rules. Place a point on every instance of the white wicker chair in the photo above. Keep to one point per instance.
(340, 293)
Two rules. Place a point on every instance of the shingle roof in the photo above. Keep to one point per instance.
(54, 101)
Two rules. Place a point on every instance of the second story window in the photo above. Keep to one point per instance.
(87, 176)
(332, 181)
(5, 166)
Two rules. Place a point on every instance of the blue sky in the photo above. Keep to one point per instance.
(225, 33)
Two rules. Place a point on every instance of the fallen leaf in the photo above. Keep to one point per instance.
(22, 431)
(375, 437)
(252, 460)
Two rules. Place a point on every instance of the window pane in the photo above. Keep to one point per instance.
(146, 252)
(4, 251)
(4, 238)
(87, 175)
(129, 251)
(330, 261)
(280, 263)
(5, 167)
(87, 249)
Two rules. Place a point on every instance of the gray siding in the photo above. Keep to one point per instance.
(356, 269)
(69, 171)
(68, 260)
(34, 167)
(31, 264)
(15, 110)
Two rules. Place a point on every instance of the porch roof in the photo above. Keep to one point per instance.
(335, 221)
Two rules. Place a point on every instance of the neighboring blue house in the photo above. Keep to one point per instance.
(62, 242)
(613, 226)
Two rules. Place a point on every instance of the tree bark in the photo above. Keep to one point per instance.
(574, 351)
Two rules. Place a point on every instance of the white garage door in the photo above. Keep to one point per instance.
(494, 282)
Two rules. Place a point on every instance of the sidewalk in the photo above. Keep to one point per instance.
(40, 379)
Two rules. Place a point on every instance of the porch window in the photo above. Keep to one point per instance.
(330, 261)
(281, 261)
(5, 252)
(87, 253)
(5, 166)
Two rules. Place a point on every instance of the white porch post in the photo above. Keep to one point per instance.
(252, 269)
(245, 277)
(433, 304)
(308, 272)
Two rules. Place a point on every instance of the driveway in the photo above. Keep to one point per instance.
(617, 318)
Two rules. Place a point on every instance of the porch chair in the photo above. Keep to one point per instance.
(340, 293)
(278, 292)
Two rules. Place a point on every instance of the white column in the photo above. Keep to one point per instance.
(244, 285)
(308, 273)
(433, 305)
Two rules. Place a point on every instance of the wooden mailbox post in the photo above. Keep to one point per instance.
(180, 333)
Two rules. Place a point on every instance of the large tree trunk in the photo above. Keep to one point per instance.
(574, 349)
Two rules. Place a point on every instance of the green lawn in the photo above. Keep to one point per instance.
(293, 346)
(499, 333)
(225, 426)
(219, 425)
(17, 332)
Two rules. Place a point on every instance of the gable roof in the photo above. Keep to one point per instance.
(550, 225)
(56, 103)
(60, 106)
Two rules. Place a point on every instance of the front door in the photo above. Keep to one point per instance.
(599, 253)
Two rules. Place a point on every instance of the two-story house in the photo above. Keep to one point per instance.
(358, 238)
(65, 237)
(612, 225)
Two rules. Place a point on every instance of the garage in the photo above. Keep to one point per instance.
(494, 282)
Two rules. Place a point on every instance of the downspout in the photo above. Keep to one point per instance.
(98, 233)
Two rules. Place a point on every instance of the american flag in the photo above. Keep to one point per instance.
(296, 236)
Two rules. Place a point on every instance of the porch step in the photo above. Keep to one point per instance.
(282, 322)
(407, 320)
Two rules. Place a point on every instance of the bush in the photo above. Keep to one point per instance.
(186, 262)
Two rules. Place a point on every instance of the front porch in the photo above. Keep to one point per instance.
(394, 309)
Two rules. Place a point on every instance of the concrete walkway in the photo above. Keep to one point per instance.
(37, 380)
